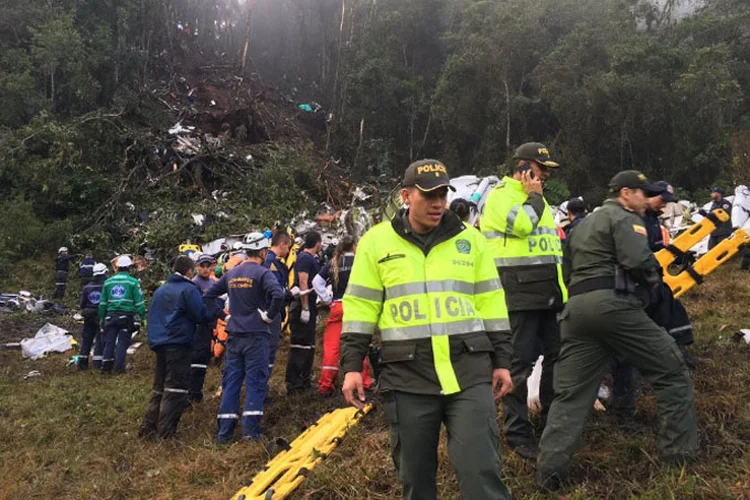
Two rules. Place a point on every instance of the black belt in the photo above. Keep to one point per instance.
(592, 284)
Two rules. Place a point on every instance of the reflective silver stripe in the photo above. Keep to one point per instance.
(199, 366)
(231, 416)
(270, 366)
(427, 331)
(252, 413)
(156, 392)
(493, 235)
(81, 356)
(532, 215)
(298, 346)
(510, 221)
(178, 391)
(108, 359)
(487, 286)
(497, 325)
(363, 292)
(362, 327)
(395, 292)
(97, 358)
(331, 368)
(681, 329)
(527, 261)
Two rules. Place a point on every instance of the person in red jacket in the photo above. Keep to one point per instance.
(336, 273)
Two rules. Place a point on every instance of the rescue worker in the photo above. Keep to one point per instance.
(724, 230)
(176, 308)
(62, 266)
(90, 298)
(201, 355)
(428, 283)
(524, 240)
(336, 273)
(576, 213)
(302, 316)
(255, 298)
(280, 245)
(86, 269)
(120, 311)
(610, 262)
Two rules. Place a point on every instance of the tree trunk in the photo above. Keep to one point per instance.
(507, 115)
(248, 33)
(335, 100)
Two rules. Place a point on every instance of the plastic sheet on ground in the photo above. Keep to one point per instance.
(49, 338)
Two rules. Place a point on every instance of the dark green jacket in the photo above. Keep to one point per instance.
(609, 238)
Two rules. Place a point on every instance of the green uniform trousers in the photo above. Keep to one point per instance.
(534, 333)
(470, 418)
(595, 327)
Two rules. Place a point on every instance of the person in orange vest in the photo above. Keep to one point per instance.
(336, 273)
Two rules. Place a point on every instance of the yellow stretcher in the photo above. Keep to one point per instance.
(287, 470)
(695, 274)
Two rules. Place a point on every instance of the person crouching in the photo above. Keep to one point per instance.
(176, 308)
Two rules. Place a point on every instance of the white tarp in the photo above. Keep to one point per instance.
(49, 338)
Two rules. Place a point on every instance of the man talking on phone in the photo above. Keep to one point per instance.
(525, 244)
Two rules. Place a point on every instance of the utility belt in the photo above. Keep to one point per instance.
(124, 320)
(620, 282)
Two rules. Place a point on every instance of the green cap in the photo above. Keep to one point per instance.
(427, 175)
(535, 151)
(633, 179)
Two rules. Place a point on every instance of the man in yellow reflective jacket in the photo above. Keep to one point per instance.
(428, 283)
(525, 243)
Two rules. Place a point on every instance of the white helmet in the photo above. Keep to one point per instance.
(100, 269)
(62, 250)
(256, 241)
(124, 261)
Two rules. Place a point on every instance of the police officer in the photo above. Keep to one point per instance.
(610, 261)
(525, 243)
(725, 229)
(201, 354)
(302, 316)
(428, 283)
(120, 311)
(86, 269)
(90, 298)
(280, 245)
(255, 298)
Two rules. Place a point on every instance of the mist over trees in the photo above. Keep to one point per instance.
(607, 84)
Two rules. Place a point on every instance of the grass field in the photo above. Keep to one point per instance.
(74, 435)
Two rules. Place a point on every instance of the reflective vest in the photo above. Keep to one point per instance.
(516, 235)
(408, 296)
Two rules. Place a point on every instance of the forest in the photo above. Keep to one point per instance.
(89, 89)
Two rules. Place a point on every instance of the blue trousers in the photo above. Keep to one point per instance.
(246, 358)
(275, 328)
(90, 330)
(117, 330)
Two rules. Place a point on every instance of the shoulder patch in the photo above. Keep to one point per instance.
(640, 229)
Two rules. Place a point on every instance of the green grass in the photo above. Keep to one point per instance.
(74, 435)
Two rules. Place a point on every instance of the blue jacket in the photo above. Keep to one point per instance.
(86, 267)
(176, 308)
(250, 287)
(91, 295)
(653, 230)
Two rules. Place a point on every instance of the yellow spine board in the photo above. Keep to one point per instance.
(287, 470)
(692, 236)
(708, 263)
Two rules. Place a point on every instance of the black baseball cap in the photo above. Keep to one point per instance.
(633, 179)
(427, 175)
(717, 189)
(667, 193)
(535, 151)
(576, 206)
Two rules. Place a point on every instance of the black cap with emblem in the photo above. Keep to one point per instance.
(633, 179)
(427, 175)
(535, 151)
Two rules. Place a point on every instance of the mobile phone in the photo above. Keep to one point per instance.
(526, 167)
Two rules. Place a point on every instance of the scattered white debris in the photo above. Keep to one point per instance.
(49, 338)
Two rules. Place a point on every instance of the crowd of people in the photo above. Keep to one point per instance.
(462, 315)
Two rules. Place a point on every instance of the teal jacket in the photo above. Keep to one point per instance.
(122, 293)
